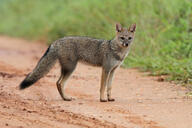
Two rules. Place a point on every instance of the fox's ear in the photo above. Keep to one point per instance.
(132, 28)
(119, 27)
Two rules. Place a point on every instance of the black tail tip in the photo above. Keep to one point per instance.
(25, 84)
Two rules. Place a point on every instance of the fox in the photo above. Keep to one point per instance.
(69, 50)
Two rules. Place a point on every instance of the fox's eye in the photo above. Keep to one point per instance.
(122, 38)
(129, 38)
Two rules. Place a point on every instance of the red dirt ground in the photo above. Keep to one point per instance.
(141, 101)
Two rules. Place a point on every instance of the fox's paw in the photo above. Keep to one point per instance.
(103, 100)
(67, 99)
(111, 99)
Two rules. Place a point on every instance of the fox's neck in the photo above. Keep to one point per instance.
(120, 51)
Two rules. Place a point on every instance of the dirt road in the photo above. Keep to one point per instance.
(141, 101)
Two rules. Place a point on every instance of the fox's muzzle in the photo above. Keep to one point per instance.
(125, 44)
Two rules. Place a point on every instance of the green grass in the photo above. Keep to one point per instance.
(163, 43)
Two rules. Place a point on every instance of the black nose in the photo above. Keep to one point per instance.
(126, 44)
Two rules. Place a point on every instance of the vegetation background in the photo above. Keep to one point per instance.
(163, 43)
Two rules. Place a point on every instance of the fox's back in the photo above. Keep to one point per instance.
(85, 49)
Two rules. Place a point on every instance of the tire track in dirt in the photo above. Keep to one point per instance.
(53, 114)
(135, 119)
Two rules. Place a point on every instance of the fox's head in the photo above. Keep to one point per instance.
(124, 36)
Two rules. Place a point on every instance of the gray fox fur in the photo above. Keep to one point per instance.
(109, 54)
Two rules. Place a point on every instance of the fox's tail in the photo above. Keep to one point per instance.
(42, 68)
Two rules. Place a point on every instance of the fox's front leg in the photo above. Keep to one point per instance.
(109, 86)
(104, 80)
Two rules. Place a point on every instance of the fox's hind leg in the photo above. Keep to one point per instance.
(66, 71)
(60, 86)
